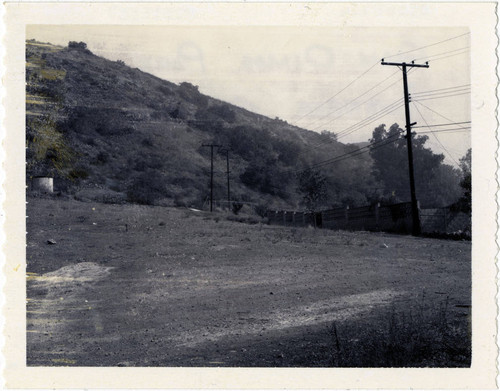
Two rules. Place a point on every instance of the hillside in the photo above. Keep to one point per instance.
(111, 133)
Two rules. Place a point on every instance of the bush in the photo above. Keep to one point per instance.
(261, 210)
(78, 173)
(147, 188)
(81, 46)
(147, 142)
(236, 207)
(190, 93)
(102, 157)
(224, 112)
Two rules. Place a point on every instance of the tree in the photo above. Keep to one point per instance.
(465, 202)
(389, 152)
(328, 136)
(312, 187)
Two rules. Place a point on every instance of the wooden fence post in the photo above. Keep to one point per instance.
(284, 217)
(377, 216)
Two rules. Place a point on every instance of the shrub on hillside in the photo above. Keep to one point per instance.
(147, 188)
(81, 46)
(224, 112)
(104, 121)
(190, 93)
(102, 157)
(144, 163)
(78, 173)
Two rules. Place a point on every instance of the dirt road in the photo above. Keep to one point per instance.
(142, 286)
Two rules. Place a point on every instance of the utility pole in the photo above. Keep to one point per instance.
(414, 205)
(211, 172)
(226, 150)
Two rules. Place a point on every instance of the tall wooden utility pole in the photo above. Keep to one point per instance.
(211, 172)
(226, 151)
(414, 205)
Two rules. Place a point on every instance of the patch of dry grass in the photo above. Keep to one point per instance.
(424, 336)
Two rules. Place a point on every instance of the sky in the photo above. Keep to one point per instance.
(318, 78)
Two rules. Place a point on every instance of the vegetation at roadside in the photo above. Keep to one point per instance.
(425, 335)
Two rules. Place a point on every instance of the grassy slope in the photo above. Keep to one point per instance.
(194, 289)
(119, 122)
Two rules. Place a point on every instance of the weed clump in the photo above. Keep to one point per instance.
(426, 337)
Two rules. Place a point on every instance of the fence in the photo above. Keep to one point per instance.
(444, 220)
(391, 218)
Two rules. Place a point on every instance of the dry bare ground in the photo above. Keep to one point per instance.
(136, 285)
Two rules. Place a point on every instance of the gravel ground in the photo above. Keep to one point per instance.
(130, 285)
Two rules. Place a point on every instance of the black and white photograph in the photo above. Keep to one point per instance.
(250, 196)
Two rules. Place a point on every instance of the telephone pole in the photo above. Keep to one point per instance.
(211, 172)
(226, 151)
(414, 205)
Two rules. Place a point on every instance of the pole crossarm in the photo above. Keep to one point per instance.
(410, 64)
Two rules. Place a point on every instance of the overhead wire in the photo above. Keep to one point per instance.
(440, 54)
(451, 55)
(449, 123)
(355, 107)
(435, 112)
(437, 139)
(455, 130)
(370, 119)
(361, 124)
(350, 154)
(434, 94)
(427, 46)
(343, 89)
(441, 89)
(355, 99)
(438, 97)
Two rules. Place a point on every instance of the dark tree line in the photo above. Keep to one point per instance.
(384, 176)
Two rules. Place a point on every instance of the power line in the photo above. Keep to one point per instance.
(353, 100)
(442, 89)
(439, 97)
(428, 46)
(347, 155)
(435, 112)
(451, 55)
(369, 120)
(454, 130)
(367, 148)
(349, 130)
(437, 139)
(358, 105)
(449, 123)
(343, 89)
(443, 92)
(440, 54)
